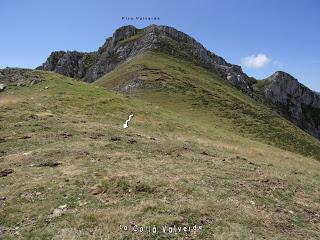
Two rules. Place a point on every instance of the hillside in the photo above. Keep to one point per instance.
(207, 145)
(285, 95)
(162, 80)
(195, 152)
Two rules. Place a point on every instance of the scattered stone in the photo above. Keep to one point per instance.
(49, 164)
(46, 87)
(152, 138)
(27, 153)
(25, 137)
(84, 153)
(29, 196)
(2, 198)
(66, 135)
(2, 87)
(115, 139)
(82, 203)
(95, 190)
(57, 212)
(291, 212)
(96, 135)
(131, 141)
(252, 202)
(6, 172)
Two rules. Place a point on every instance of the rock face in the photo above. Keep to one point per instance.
(128, 42)
(293, 100)
(72, 64)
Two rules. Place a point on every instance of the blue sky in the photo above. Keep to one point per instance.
(262, 36)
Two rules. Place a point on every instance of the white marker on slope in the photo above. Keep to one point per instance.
(125, 125)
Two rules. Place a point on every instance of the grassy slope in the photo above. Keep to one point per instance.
(240, 189)
(201, 96)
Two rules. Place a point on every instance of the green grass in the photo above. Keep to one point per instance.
(207, 100)
(190, 163)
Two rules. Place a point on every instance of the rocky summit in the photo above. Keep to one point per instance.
(281, 91)
(294, 101)
(128, 42)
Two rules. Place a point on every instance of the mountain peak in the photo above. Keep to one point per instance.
(295, 101)
(281, 76)
(129, 41)
(123, 33)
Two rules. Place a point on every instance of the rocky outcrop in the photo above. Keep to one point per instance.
(295, 101)
(72, 64)
(128, 42)
(181, 45)
(19, 77)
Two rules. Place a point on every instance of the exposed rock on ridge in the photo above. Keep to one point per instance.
(19, 77)
(72, 64)
(295, 101)
(128, 42)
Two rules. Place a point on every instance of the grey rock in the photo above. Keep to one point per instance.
(71, 63)
(2, 87)
(49, 164)
(294, 101)
(19, 77)
(135, 85)
(115, 139)
(6, 172)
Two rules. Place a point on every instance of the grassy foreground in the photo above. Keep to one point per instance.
(79, 175)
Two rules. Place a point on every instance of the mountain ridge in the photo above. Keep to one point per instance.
(197, 151)
(128, 42)
(153, 37)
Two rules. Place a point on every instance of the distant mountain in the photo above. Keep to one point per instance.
(281, 91)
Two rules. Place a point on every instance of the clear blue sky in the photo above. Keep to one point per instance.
(286, 33)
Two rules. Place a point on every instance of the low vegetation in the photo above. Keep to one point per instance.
(196, 153)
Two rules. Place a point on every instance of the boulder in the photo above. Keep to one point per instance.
(2, 87)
